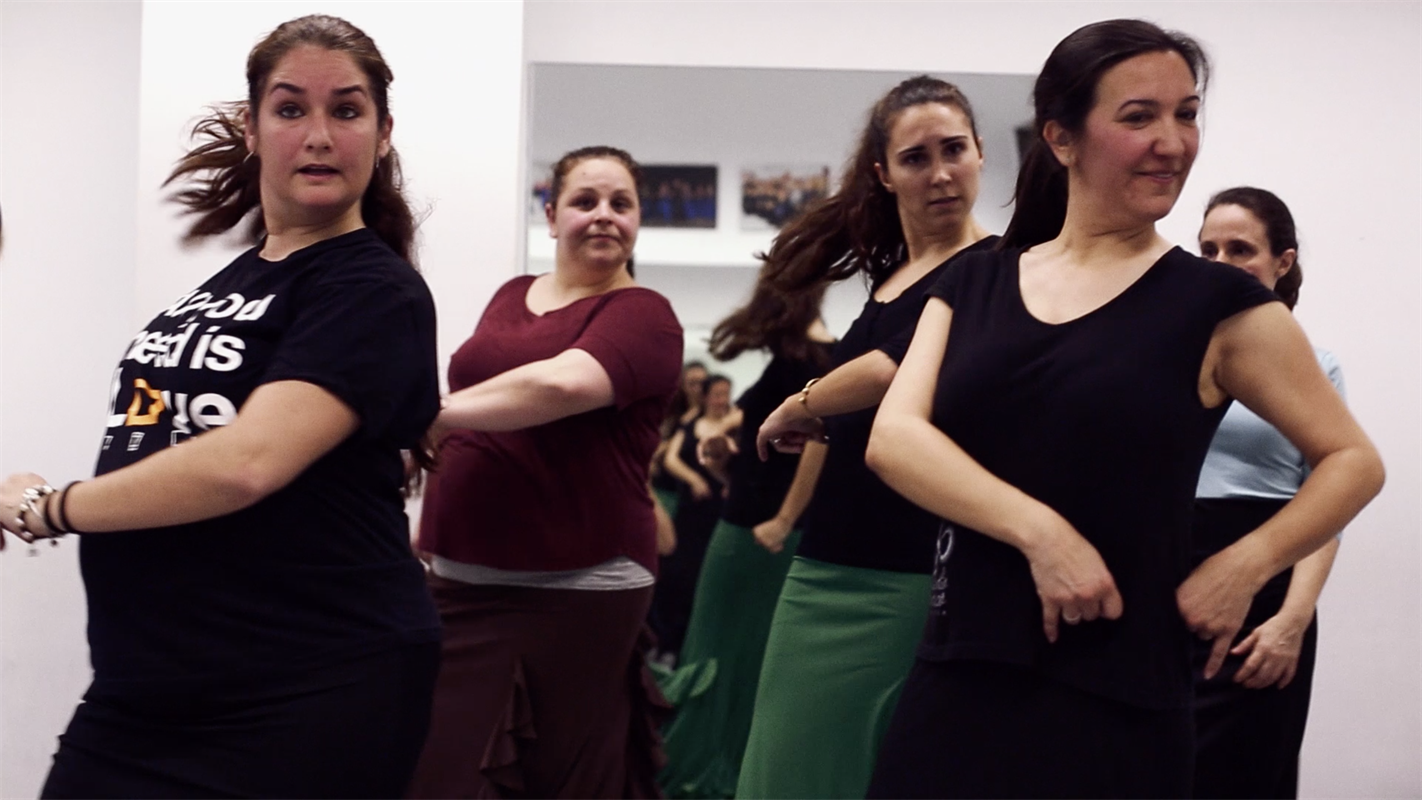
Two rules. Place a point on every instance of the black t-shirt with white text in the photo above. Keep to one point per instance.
(320, 569)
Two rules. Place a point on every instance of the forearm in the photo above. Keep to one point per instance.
(919, 462)
(853, 386)
(1341, 484)
(675, 465)
(197, 480)
(1307, 582)
(802, 488)
(533, 394)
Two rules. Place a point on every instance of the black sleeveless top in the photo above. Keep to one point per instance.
(1100, 419)
(757, 488)
(855, 519)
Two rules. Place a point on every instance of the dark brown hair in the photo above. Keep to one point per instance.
(774, 320)
(1278, 229)
(1065, 92)
(223, 177)
(857, 229)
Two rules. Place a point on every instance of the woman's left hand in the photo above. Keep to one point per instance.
(10, 497)
(1215, 598)
(1273, 653)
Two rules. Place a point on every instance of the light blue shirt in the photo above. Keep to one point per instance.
(1249, 458)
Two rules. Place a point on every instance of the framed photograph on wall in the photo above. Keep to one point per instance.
(540, 175)
(773, 194)
(678, 196)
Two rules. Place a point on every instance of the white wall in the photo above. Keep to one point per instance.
(1317, 101)
(69, 118)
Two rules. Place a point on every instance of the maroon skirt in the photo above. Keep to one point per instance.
(542, 693)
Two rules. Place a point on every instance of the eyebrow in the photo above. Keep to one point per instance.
(1154, 103)
(955, 138)
(294, 89)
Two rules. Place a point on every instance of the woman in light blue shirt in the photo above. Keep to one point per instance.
(1250, 716)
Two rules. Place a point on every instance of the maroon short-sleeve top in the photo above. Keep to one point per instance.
(571, 493)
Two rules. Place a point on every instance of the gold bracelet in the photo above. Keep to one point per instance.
(804, 396)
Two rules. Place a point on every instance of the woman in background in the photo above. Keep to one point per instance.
(538, 522)
(697, 509)
(1250, 717)
(852, 608)
(258, 625)
(740, 579)
(1059, 432)
(685, 407)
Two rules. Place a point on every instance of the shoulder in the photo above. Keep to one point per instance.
(975, 264)
(640, 304)
(1224, 289)
(360, 258)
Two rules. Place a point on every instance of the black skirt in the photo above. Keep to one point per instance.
(1248, 740)
(988, 729)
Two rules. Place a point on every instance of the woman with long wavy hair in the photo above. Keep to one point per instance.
(257, 623)
(844, 629)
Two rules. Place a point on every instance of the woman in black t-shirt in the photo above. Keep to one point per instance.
(1060, 430)
(849, 615)
(257, 622)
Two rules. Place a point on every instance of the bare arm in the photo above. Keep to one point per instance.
(282, 429)
(1273, 648)
(915, 458)
(1262, 357)
(772, 533)
(678, 468)
(853, 386)
(569, 383)
(666, 529)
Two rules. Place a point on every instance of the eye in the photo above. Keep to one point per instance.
(288, 111)
(913, 159)
(1187, 114)
(1137, 118)
(622, 204)
(346, 111)
(1241, 250)
(1208, 249)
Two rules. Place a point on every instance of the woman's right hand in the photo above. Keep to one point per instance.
(788, 428)
(700, 489)
(1072, 580)
(772, 534)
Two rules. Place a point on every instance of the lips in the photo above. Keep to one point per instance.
(318, 169)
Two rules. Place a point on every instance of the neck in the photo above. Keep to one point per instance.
(1087, 237)
(574, 280)
(284, 238)
(939, 246)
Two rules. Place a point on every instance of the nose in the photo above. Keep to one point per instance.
(941, 172)
(318, 133)
(1172, 140)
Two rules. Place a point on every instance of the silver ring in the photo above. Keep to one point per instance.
(1071, 620)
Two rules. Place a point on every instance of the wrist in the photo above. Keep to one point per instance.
(804, 398)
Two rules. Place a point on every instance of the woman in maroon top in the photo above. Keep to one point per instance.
(538, 521)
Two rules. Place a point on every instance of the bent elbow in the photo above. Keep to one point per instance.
(249, 482)
(878, 457)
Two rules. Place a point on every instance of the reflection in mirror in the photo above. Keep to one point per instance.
(768, 136)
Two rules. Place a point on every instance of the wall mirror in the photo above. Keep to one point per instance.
(732, 152)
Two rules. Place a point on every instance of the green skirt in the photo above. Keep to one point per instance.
(714, 689)
(840, 648)
(670, 499)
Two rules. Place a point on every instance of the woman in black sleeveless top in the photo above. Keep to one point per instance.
(1060, 429)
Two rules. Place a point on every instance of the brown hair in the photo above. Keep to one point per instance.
(223, 185)
(774, 320)
(1065, 92)
(857, 229)
(1278, 229)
